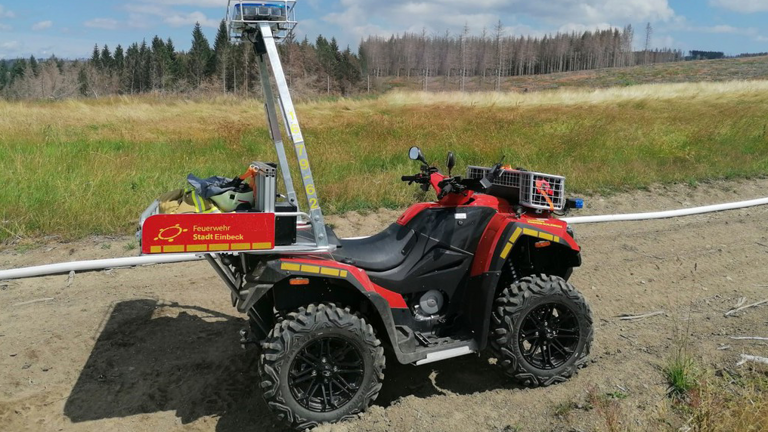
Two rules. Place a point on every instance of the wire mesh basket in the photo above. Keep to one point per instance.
(531, 189)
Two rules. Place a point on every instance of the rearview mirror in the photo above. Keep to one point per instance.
(451, 162)
(417, 155)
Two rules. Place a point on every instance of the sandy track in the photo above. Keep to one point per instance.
(156, 348)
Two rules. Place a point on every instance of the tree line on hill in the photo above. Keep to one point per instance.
(705, 55)
(157, 66)
(498, 55)
(322, 67)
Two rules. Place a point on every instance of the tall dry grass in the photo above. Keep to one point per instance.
(75, 168)
(583, 96)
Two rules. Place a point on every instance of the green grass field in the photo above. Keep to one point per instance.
(77, 168)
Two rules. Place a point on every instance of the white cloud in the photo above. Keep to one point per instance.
(580, 28)
(5, 13)
(147, 9)
(181, 20)
(561, 12)
(719, 29)
(42, 25)
(102, 23)
(358, 18)
(140, 13)
(743, 6)
(5, 27)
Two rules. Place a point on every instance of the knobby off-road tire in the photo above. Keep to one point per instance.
(534, 345)
(327, 336)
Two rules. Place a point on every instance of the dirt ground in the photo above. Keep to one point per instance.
(156, 348)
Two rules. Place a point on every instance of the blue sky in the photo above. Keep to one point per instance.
(70, 28)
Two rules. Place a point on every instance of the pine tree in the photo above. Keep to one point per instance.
(106, 58)
(131, 77)
(174, 69)
(18, 70)
(82, 81)
(145, 67)
(4, 74)
(34, 65)
(119, 59)
(96, 57)
(221, 48)
(160, 63)
(200, 56)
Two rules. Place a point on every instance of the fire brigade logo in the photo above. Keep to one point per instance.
(170, 233)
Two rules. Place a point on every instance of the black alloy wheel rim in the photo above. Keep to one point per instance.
(326, 374)
(549, 336)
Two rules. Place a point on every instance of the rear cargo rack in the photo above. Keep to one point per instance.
(530, 189)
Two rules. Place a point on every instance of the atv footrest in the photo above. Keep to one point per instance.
(457, 350)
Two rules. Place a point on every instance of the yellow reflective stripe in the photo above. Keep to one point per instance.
(506, 251)
(516, 235)
(262, 246)
(173, 249)
(530, 232)
(325, 271)
(329, 271)
(218, 247)
(557, 239)
(290, 267)
(545, 236)
(241, 246)
(195, 200)
(310, 269)
(156, 249)
(197, 248)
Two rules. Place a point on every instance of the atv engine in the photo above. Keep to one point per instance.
(427, 309)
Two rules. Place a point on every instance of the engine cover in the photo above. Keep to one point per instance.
(431, 302)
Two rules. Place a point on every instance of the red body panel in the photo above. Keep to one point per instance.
(496, 226)
(208, 233)
(395, 300)
(488, 243)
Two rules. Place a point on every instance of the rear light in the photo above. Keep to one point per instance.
(574, 203)
(299, 281)
(543, 244)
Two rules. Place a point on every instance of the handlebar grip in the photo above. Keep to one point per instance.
(409, 178)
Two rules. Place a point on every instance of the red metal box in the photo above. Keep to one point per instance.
(189, 233)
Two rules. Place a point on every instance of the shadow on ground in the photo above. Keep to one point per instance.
(153, 358)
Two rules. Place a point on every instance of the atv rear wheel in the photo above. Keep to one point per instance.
(541, 330)
(321, 364)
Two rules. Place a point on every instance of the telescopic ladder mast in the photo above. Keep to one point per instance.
(263, 24)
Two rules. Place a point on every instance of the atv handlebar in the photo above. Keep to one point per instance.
(446, 185)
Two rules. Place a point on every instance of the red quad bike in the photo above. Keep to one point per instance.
(476, 269)
(485, 266)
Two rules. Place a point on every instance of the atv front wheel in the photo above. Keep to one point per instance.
(321, 364)
(541, 330)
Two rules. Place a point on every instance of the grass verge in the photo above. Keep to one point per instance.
(77, 168)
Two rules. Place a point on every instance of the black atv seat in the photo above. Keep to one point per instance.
(382, 252)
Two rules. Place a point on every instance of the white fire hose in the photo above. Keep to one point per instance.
(82, 266)
(664, 214)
